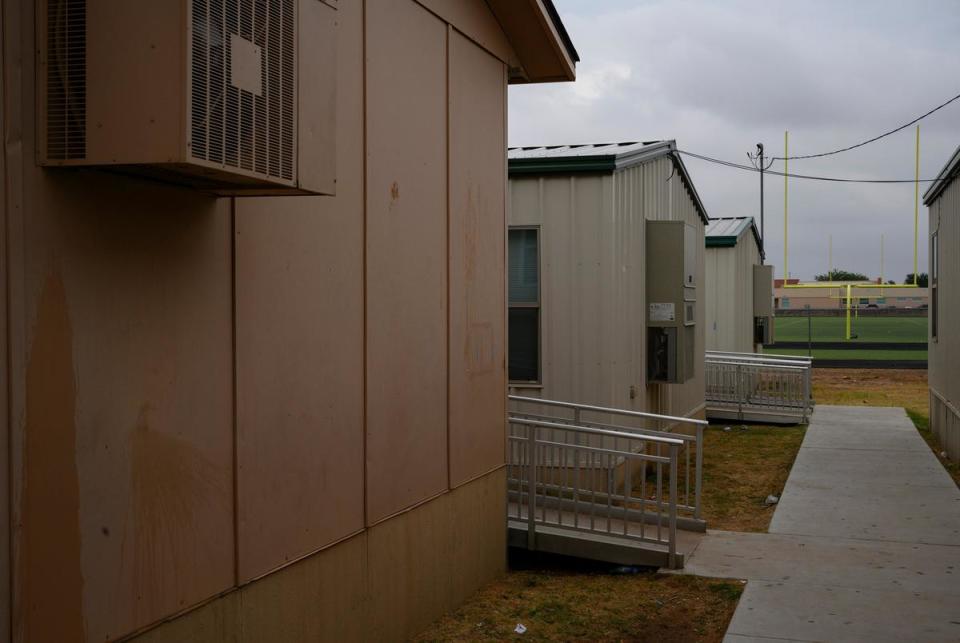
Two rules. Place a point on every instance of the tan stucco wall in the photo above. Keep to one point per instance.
(593, 283)
(206, 389)
(943, 360)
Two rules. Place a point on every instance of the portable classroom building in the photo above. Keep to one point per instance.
(739, 288)
(943, 354)
(586, 298)
(266, 418)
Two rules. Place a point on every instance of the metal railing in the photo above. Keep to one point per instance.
(760, 387)
(637, 423)
(587, 479)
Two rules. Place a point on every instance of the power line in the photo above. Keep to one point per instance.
(751, 168)
(867, 142)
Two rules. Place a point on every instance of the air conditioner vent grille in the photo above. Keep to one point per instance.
(230, 125)
(66, 53)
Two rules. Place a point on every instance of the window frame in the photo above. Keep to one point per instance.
(538, 305)
(934, 307)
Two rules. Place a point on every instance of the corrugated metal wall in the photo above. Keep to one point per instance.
(944, 354)
(729, 295)
(593, 276)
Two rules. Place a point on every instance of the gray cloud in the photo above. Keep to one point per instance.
(720, 77)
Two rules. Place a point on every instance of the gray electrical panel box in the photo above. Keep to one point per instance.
(763, 291)
(763, 304)
(671, 300)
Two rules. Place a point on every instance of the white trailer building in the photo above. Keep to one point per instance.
(739, 289)
(606, 277)
(943, 356)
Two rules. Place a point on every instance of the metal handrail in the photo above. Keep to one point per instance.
(760, 358)
(574, 506)
(604, 409)
(590, 430)
(801, 358)
(784, 365)
(692, 449)
(756, 385)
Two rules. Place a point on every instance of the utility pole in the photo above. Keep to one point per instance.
(763, 252)
(762, 167)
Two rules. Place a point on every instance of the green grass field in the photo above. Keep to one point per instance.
(852, 354)
(867, 329)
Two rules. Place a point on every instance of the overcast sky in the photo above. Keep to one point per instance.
(720, 77)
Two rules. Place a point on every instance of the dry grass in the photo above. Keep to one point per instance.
(880, 387)
(741, 467)
(872, 387)
(557, 604)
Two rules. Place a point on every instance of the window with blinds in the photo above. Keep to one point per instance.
(524, 304)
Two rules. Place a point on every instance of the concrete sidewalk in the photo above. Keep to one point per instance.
(863, 546)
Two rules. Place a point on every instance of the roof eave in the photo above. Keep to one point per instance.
(610, 163)
(945, 178)
(544, 50)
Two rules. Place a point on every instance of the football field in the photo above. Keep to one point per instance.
(865, 329)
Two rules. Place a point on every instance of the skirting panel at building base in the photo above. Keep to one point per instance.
(385, 584)
(945, 424)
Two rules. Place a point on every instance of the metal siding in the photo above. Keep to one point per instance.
(406, 257)
(477, 260)
(593, 280)
(944, 354)
(729, 295)
(299, 301)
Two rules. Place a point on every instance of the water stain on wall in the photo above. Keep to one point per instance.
(172, 484)
(50, 577)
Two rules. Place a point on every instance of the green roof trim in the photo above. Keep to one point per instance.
(725, 232)
(563, 165)
(721, 242)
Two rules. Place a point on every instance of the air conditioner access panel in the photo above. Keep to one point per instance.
(231, 96)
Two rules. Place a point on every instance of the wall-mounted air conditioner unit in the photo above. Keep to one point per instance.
(230, 96)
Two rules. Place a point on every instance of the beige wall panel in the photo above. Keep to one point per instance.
(423, 563)
(479, 533)
(474, 19)
(124, 472)
(477, 260)
(385, 584)
(215, 622)
(299, 289)
(406, 256)
(321, 598)
(122, 443)
(5, 196)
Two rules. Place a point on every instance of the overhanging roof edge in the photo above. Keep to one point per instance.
(945, 178)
